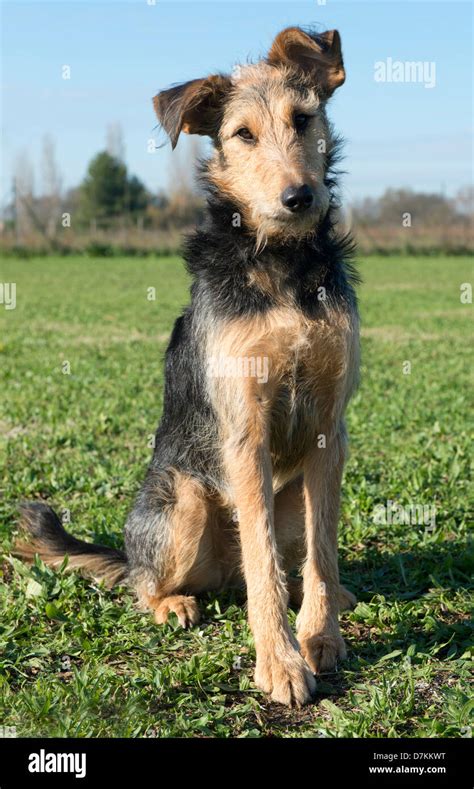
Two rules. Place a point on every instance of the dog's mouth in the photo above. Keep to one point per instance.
(300, 222)
(288, 217)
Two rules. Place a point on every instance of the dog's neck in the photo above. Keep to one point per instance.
(222, 254)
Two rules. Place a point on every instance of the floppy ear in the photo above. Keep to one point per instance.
(194, 107)
(319, 55)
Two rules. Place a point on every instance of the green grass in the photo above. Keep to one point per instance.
(76, 660)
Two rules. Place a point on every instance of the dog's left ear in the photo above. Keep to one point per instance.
(319, 55)
(194, 107)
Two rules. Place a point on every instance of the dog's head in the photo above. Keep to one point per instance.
(269, 129)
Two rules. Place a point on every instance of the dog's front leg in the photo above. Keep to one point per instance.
(280, 669)
(317, 623)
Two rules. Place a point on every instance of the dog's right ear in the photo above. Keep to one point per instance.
(194, 107)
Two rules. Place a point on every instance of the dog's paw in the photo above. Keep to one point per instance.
(185, 608)
(347, 600)
(322, 651)
(287, 679)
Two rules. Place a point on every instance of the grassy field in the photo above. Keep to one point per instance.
(76, 660)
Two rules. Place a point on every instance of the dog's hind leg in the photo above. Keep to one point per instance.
(184, 606)
(170, 545)
(291, 542)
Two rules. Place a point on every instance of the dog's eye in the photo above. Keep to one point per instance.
(245, 134)
(301, 121)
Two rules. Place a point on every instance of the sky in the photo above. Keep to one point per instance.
(415, 134)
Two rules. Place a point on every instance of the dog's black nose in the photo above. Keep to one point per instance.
(297, 198)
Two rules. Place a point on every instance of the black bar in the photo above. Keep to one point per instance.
(413, 762)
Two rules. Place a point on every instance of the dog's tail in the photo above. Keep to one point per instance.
(46, 536)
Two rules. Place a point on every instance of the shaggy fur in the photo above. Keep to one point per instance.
(244, 483)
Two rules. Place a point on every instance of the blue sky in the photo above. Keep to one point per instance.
(121, 53)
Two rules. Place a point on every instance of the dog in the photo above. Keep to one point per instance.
(244, 484)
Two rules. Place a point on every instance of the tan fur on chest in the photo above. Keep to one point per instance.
(310, 368)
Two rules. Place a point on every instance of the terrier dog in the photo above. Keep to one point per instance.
(244, 483)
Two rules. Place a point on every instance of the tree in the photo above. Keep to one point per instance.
(108, 192)
(23, 186)
(51, 186)
(464, 202)
(137, 196)
(104, 188)
(426, 209)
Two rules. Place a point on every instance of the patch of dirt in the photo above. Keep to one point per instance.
(8, 431)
